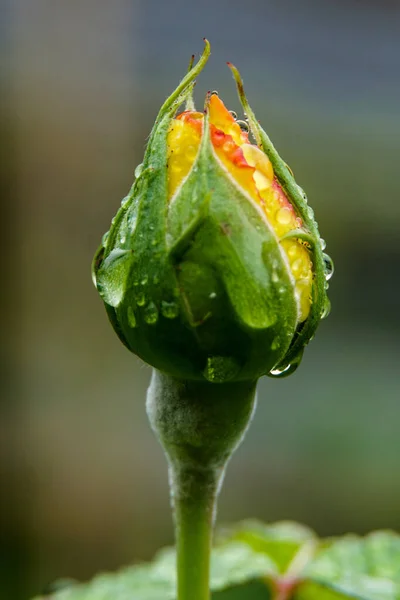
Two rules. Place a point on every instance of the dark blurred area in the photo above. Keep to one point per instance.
(84, 482)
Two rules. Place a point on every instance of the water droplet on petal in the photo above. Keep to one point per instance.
(234, 115)
(220, 368)
(329, 267)
(125, 201)
(191, 153)
(151, 314)
(170, 310)
(284, 216)
(131, 317)
(323, 243)
(214, 93)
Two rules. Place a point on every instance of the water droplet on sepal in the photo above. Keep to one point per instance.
(244, 126)
(112, 275)
(96, 262)
(131, 317)
(327, 309)
(279, 372)
(284, 370)
(151, 314)
(169, 310)
(329, 266)
(138, 170)
(220, 369)
(140, 299)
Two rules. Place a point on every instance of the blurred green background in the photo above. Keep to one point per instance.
(84, 481)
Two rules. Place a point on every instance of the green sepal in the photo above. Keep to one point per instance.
(248, 310)
(320, 303)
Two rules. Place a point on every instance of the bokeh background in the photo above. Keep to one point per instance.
(84, 483)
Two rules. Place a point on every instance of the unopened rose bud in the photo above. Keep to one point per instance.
(213, 267)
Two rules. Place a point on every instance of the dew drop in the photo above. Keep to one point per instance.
(123, 239)
(329, 266)
(284, 216)
(125, 201)
(323, 243)
(140, 299)
(290, 170)
(275, 344)
(327, 309)
(220, 368)
(212, 295)
(302, 192)
(244, 126)
(169, 310)
(138, 170)
(145, 279)
(279, 372)
(297, 267)
(151, 314)
(112, 276)
(275, 277)
(310, 212)
(96, 263)
(234, 115)
(131, 317)
(288, 368)
(191, 153)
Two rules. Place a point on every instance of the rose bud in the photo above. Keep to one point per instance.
(213, 268)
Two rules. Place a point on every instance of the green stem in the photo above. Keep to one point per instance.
(199, 425)
(194, 496)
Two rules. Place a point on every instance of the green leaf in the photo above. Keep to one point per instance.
(281, 541)
(352, 567)
(252, 559)
(233, 564)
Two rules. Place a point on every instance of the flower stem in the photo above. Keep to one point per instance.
(194, 496)
(199, 425)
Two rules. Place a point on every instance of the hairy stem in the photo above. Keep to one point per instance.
(199, 425)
